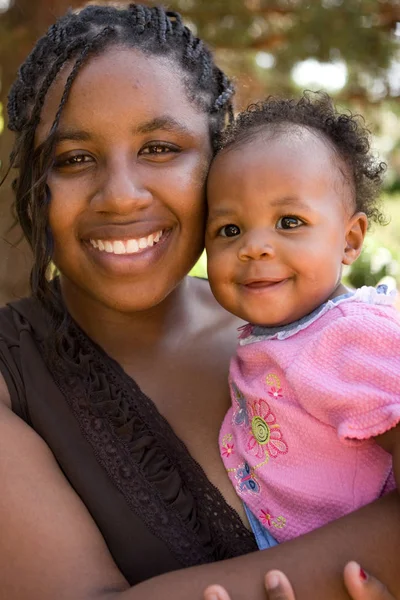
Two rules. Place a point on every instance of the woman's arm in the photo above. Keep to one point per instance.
(50, 547)
(359, 585)
(314, 561)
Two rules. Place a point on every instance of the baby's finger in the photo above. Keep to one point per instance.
(216, 592)
(362, 586)
(278, 586)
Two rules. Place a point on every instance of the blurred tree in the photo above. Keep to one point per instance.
(258, 42)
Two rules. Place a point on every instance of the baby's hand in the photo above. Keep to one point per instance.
(359, 585)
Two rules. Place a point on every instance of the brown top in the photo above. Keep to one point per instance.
(135, 476)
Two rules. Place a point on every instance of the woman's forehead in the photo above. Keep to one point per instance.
(120, 85)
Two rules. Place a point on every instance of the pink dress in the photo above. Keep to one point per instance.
(306, 401)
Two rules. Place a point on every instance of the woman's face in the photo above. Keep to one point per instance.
(127, 187)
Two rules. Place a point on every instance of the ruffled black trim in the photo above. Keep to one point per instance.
(144, 458)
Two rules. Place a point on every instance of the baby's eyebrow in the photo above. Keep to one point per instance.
(289, 202)
(214, 213)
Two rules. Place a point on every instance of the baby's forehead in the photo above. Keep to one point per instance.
(270, 154)
(277, 139)
(287, 133)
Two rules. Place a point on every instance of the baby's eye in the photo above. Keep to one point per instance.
(229, 230)
(289, 222)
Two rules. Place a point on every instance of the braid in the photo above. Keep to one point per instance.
(163, 24)
(75, 37)
(84, 54)
(227, 91)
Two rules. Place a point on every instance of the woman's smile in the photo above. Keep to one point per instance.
(129, 246)
(131, 255)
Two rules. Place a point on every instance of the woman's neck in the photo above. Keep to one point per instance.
(117, 332)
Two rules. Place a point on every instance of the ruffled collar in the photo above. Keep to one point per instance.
(369, 295)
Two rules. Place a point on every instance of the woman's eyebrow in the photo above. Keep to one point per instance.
(77, 135)
(158, 123)
(163, 123)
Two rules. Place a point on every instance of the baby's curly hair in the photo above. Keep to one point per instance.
(346, 134)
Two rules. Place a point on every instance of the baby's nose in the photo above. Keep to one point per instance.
(256, 247)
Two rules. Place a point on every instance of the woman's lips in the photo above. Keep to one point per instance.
(127, 246)
(130, 256)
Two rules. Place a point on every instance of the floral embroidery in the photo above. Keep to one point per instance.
(266, 518)
(275, 392)
(247, 479)
(240, 416)
(227, 448)
(265, 439)
(273, 380)
(245, 331)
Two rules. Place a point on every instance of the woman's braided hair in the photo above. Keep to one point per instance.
(73, 39)
(346, 134)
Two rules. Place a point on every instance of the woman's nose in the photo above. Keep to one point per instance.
(122, 191)
(256, 247)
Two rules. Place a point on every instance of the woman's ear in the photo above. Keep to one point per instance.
(355, 234)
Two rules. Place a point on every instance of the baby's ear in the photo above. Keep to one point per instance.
(355, 234)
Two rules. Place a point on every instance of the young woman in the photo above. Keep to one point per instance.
(104, 490)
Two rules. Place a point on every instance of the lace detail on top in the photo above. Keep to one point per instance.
(144, 458)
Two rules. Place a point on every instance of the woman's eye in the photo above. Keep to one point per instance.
(289, 222)
(159, 149)
(78, 159)
(229, 230)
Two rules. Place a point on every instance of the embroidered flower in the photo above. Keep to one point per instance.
(275, 392)
(266, 518)
(265, 437)
(273, 379)
(227, 450)
(245, 331)
(279, 523)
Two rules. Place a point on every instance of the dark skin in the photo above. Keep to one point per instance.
(107, 187)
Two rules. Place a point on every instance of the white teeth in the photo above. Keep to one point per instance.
(119, 247)
(132, 246)
(127, 247)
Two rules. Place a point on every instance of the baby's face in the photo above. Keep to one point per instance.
(280, 227)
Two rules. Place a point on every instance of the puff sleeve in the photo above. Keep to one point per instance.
(348, 374)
